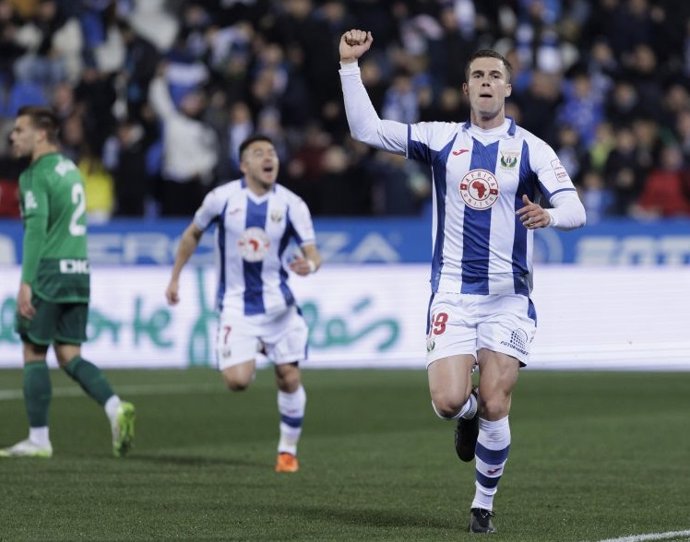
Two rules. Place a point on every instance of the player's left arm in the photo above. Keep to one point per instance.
(308, 262)
(568, 212)
(309, 259)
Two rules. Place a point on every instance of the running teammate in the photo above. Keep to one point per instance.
(255, 220)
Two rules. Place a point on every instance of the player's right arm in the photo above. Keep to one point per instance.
(188, 243)
(363, 120)
(209, 211)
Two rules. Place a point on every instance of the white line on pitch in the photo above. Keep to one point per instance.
(651, 536)
(132, 389)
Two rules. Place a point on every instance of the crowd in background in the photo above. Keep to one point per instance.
(155, 96)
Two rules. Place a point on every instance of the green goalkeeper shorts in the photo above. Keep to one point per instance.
(54, 323)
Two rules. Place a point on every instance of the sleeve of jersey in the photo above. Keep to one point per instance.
(302, 223)
(209, 210)
(365, 124)
(568, 212)
(35, 228)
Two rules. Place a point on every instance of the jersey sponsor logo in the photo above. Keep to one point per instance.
(30, 201)
(253, 244)
(479, 189)
(559, 171)
(74, 267)
(460, 151)
(509, 159)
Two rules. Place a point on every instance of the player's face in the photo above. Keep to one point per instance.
(487, 87)
(23, 137)
(260, 164)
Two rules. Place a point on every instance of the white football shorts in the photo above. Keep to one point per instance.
(463, 323)
(281, 337)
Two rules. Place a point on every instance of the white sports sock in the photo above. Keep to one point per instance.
(291, 408)
(111, 406)
(493, 445)
(468, 410)
(39, 435)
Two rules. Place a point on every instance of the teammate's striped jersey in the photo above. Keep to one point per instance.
(252, 234)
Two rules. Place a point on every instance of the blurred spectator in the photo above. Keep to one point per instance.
(98, 187)
(570, 152)
(190, 149)
(124, 156)
(665, 192)
(596, 197)
(54, 47)
(624, 177)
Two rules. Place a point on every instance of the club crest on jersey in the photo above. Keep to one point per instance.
(276, 216)
(509, 159)
(479, 189)
(253, 244)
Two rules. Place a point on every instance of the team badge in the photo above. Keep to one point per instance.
(253, 244)
(479, 189)
(509, 159)
(276, 215)
(430, 344)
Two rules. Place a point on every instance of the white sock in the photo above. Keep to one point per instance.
(39, 435)
(111, 406)
(291, 408)
(469, 409)
(493, 445)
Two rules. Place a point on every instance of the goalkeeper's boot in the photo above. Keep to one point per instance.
(123, 429)
(28, 448)
(466, 434)
(480, 521)
(287, 462)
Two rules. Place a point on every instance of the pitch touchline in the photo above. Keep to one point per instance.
(133, 389)
(651, 536)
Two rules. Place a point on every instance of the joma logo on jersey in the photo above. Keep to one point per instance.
(253, 244)
(479, 189)
(74, 267)
(509, 159)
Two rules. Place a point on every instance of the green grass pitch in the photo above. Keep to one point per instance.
(594, 455)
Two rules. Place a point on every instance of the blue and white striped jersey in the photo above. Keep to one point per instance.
(479, 177)
(252, 234)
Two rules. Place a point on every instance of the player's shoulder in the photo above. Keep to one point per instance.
(287, 195)
(226, 189)
(529, 138)
(438, 129)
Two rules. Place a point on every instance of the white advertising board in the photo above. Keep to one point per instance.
(374, 316)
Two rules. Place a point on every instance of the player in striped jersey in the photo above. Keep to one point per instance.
(255, 221)
(488, 177)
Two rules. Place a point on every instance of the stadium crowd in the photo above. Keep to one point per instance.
(155, 96)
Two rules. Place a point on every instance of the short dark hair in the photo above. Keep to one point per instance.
(253, 139)
(488, 53)
(42, 118)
